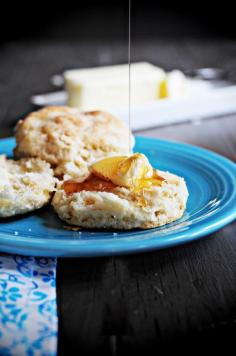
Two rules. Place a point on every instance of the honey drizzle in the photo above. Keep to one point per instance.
(129, 64)
(91, 184)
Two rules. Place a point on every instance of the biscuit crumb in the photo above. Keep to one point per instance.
(72, 228)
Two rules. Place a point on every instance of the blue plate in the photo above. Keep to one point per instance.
(212, 204)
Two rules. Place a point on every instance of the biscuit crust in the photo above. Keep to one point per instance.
(122, 208)
(25, 185)
(69, 139)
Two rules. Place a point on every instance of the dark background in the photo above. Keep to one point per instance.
(99, 19)
(40, 39)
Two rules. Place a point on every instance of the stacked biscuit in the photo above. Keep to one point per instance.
(70, 140)
(57, 153)
(52, 144)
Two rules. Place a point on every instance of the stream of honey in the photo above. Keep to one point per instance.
(129, 64)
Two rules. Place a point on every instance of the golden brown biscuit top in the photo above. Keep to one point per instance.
(63, 134)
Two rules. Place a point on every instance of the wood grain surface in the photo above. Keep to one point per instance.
(182, 298)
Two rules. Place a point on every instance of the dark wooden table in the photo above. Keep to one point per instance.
(182, 298)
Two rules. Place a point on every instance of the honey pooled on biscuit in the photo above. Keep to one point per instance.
(133, 172)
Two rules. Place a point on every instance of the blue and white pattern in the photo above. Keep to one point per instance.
(28, 311)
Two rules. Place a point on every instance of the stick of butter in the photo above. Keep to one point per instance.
(107, 88)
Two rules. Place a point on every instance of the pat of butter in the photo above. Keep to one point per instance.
(127, 171)
(107, 88)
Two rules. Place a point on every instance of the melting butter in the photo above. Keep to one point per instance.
(134, 172)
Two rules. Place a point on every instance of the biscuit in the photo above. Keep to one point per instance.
(69, 139)
(25, 185)
(122, 208)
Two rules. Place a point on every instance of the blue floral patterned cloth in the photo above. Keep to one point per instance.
(28, 313)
